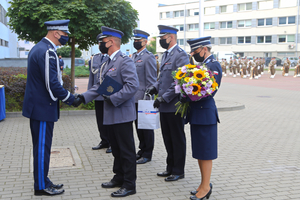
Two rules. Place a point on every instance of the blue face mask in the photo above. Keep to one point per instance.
(63, 39)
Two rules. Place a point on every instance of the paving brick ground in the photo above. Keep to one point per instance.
(259, 150)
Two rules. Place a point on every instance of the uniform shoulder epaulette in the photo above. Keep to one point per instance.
(123, 55)
(97, 54)
(213, 60)
(148, 52)
(180, 49)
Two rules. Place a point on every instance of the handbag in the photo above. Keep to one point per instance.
(148, 116)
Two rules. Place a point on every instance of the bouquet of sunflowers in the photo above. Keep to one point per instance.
(193, 81)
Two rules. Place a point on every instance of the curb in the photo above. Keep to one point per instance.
(235, 107)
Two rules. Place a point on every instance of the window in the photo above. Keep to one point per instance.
(265, 22)
(226, 24)
(244, 40)
(168, 15)
(194, 12)
(244, 23)
(265, 5)
(289, 3)
(160, 15)
(179, 13)
(244, 6)
(264, 39)
(180, 42)
(210, 25)
(193, 27)
(223, 9)
(3, 18)
(286, 38)
(26, 53)
(209, 10)
(225, 40)
(212, 40)
(6, 44)
(287, 20)
(179, 27)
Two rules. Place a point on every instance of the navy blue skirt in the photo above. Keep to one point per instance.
(204, 141)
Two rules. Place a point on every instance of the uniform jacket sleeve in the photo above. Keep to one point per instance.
(181, 60)
(91, 76)
(150, 71)
(57, 89)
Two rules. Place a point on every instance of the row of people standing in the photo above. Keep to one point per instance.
(172, 126)
(254, 67)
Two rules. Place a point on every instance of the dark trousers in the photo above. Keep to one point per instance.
(123, 150)
(146, 138)
(102, 128)
(41, 133)
(172, 127)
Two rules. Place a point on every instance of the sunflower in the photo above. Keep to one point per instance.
(199, 74)
(179, 75)
(187, 79)
(196, 88)
(190, 66)
(214, 85)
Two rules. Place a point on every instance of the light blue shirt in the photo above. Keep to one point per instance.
(54, 46)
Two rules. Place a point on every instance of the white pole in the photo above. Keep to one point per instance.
(201, 17)
(297, 21)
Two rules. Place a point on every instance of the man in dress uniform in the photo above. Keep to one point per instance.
(234, 67)
(96, 67)
(263, 62)
(272, 66)
(146, 70)
(119, 111)
(41, 101)
(297, 68)
(286, 67)
(61, 63)
(230, 66)
(172, 126)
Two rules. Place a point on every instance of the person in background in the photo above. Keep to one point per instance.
(61, 63)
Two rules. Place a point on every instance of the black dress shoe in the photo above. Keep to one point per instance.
(164, 174)
(143, 160)
(99, 146)
(111, 184)
(108, 150)
(174, 177)
(50, 191)
(123, 192)
(57, 186)
(138, 156)
(194, 192)
(202, 198)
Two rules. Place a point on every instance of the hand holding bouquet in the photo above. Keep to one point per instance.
(193, 81)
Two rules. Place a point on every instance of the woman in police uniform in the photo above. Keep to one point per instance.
(203, 118)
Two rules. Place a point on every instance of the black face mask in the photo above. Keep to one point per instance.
(137, 45)
(163, 43)
(103, 48)
(199, 58)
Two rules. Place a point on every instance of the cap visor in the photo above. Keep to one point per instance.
(160, 35)
(66, 32)
(137, 38)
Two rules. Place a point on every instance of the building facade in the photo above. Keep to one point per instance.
(267, 28)
(8, 39)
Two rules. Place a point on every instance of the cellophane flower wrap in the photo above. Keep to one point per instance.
(194, 81)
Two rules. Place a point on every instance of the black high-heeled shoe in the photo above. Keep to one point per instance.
(194, 192)
(202, 198)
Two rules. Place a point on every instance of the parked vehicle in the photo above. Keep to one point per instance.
(268, 59)
(79, 62)
(224, 54)
(293, 60)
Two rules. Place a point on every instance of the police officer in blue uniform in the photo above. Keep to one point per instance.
(41, 102)
(172, 126)
(119, 112)
(146, 69)
(96, 67)
(203, 119)
(61, 63)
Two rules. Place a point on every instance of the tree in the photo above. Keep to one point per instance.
(66, 52)
(152, 45)
(86, 18)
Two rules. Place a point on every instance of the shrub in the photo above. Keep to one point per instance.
(79, 71)
(14, 80)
